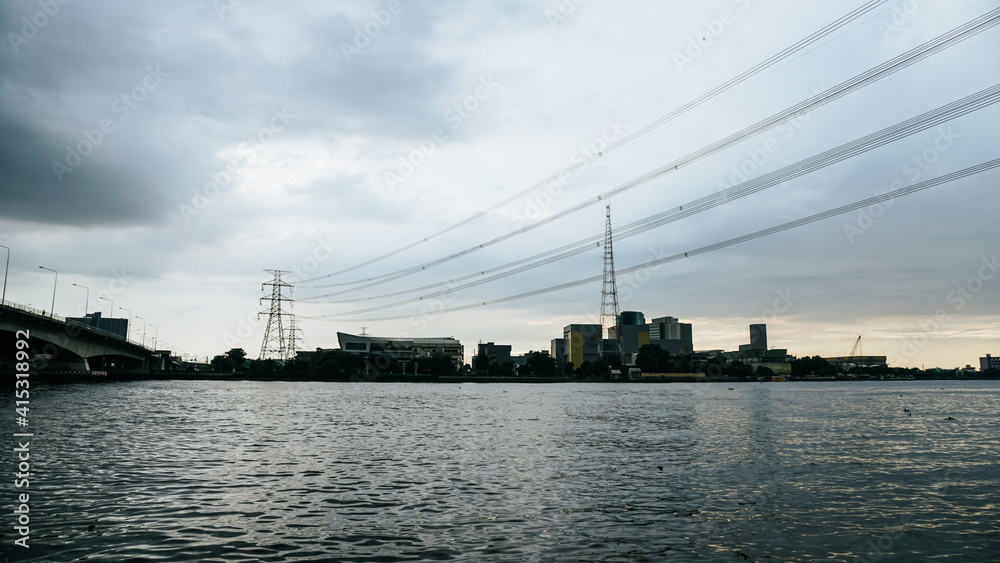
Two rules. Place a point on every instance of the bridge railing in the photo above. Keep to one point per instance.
(32, 310)
(89, 328)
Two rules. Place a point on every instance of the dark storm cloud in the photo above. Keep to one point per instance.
(113, 116)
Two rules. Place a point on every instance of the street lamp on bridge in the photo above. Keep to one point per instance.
(143, 330)
(154, 335)
(111, 315)
(52, 310)
(87, 302)
(128, 330)
(3, 298)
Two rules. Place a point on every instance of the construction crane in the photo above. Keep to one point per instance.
(851, 357)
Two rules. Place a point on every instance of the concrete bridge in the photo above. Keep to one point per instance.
(70, 343)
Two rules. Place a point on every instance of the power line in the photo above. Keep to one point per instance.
(760, 67)
(864, 79)
(875, 140)
(901, 192)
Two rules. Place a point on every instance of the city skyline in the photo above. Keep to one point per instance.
(164, 171)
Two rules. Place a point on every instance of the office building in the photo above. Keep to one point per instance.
(402, 348)
(582, 343)
(499, 353)
(989, 362)
(117, 327)
(671, 335)
(758, 338)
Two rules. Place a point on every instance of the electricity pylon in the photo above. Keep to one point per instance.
(609, 297)
(276, 344)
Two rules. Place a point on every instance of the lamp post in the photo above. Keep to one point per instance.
(110, 316)
(154, 335)
(143, 330)
(56, 281)
(3, 298)
(128, 327)
(87, 302)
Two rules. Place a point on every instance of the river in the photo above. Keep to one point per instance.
(272, 471)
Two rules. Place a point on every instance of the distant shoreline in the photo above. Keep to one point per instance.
(98, 377)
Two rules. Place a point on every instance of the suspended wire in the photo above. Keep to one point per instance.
(900, 62)
(875, 140)
(802, 44)
(710, 248)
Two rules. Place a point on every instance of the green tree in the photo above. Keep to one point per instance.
(504, 369)
(436, 364)
(541, 365)
(652, 359)
(234, 361)
(765, 372)
(263, 368)
(600, 369)
(739, 370)
(814, 365)
(482, 362)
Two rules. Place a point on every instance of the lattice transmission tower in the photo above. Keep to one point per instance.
(609, 297)
(278, 344)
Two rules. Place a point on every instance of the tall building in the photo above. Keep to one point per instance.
(629, 318)
(633, 337)
(758, 338)
(989, 362)
(671, 335)
(583, 343)
(559, 351)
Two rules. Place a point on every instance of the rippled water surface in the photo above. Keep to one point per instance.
(266, 471)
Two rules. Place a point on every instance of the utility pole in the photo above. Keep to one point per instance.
(609, 297)
(276, 344)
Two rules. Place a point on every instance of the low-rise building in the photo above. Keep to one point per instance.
(118, 327)
(499, 353)
(402, 348)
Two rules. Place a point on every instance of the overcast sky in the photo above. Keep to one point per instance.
(164, 154)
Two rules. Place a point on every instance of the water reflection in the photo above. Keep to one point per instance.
(181, 471)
